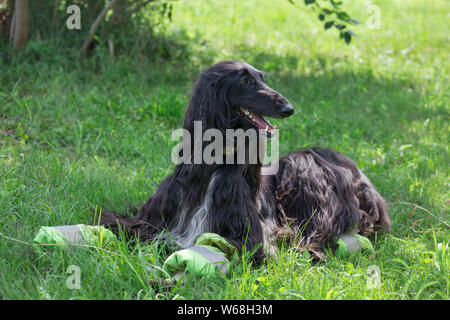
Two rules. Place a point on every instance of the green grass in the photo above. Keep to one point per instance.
(95, 133)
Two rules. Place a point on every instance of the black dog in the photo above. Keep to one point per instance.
(316, 195)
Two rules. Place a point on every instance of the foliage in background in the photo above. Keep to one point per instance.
(125, 22)
(332, 14)
(119, 23)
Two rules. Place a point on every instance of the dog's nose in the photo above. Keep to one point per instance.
(287, 110)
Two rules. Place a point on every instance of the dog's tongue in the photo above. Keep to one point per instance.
(261, 122)
(258, 120)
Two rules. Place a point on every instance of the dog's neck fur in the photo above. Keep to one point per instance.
(192, 174)
(200, 183)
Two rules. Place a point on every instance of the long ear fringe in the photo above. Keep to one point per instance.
(209, 103)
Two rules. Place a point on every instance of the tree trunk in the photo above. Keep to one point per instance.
(20, 24)
(6, 10)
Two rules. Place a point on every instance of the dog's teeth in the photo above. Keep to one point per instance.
(245, 111)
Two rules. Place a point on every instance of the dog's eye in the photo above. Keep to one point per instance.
(245, 80)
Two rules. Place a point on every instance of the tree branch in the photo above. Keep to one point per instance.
(95, 25)
(136, 9)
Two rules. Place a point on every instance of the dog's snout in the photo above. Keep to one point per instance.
(287, 110)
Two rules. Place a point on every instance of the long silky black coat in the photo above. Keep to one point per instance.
(316, 195)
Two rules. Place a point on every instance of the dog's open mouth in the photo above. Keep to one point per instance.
(258, 121)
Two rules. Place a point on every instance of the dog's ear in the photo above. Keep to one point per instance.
(220, 107)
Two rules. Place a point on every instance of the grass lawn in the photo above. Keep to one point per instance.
(78, 133)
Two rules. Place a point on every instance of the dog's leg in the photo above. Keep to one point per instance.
(319, 197)
(373, 208)
(233, 212)
(328, 196)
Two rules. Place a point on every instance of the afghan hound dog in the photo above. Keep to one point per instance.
(315, 196)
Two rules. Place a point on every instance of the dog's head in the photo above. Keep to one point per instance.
(232, 95)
